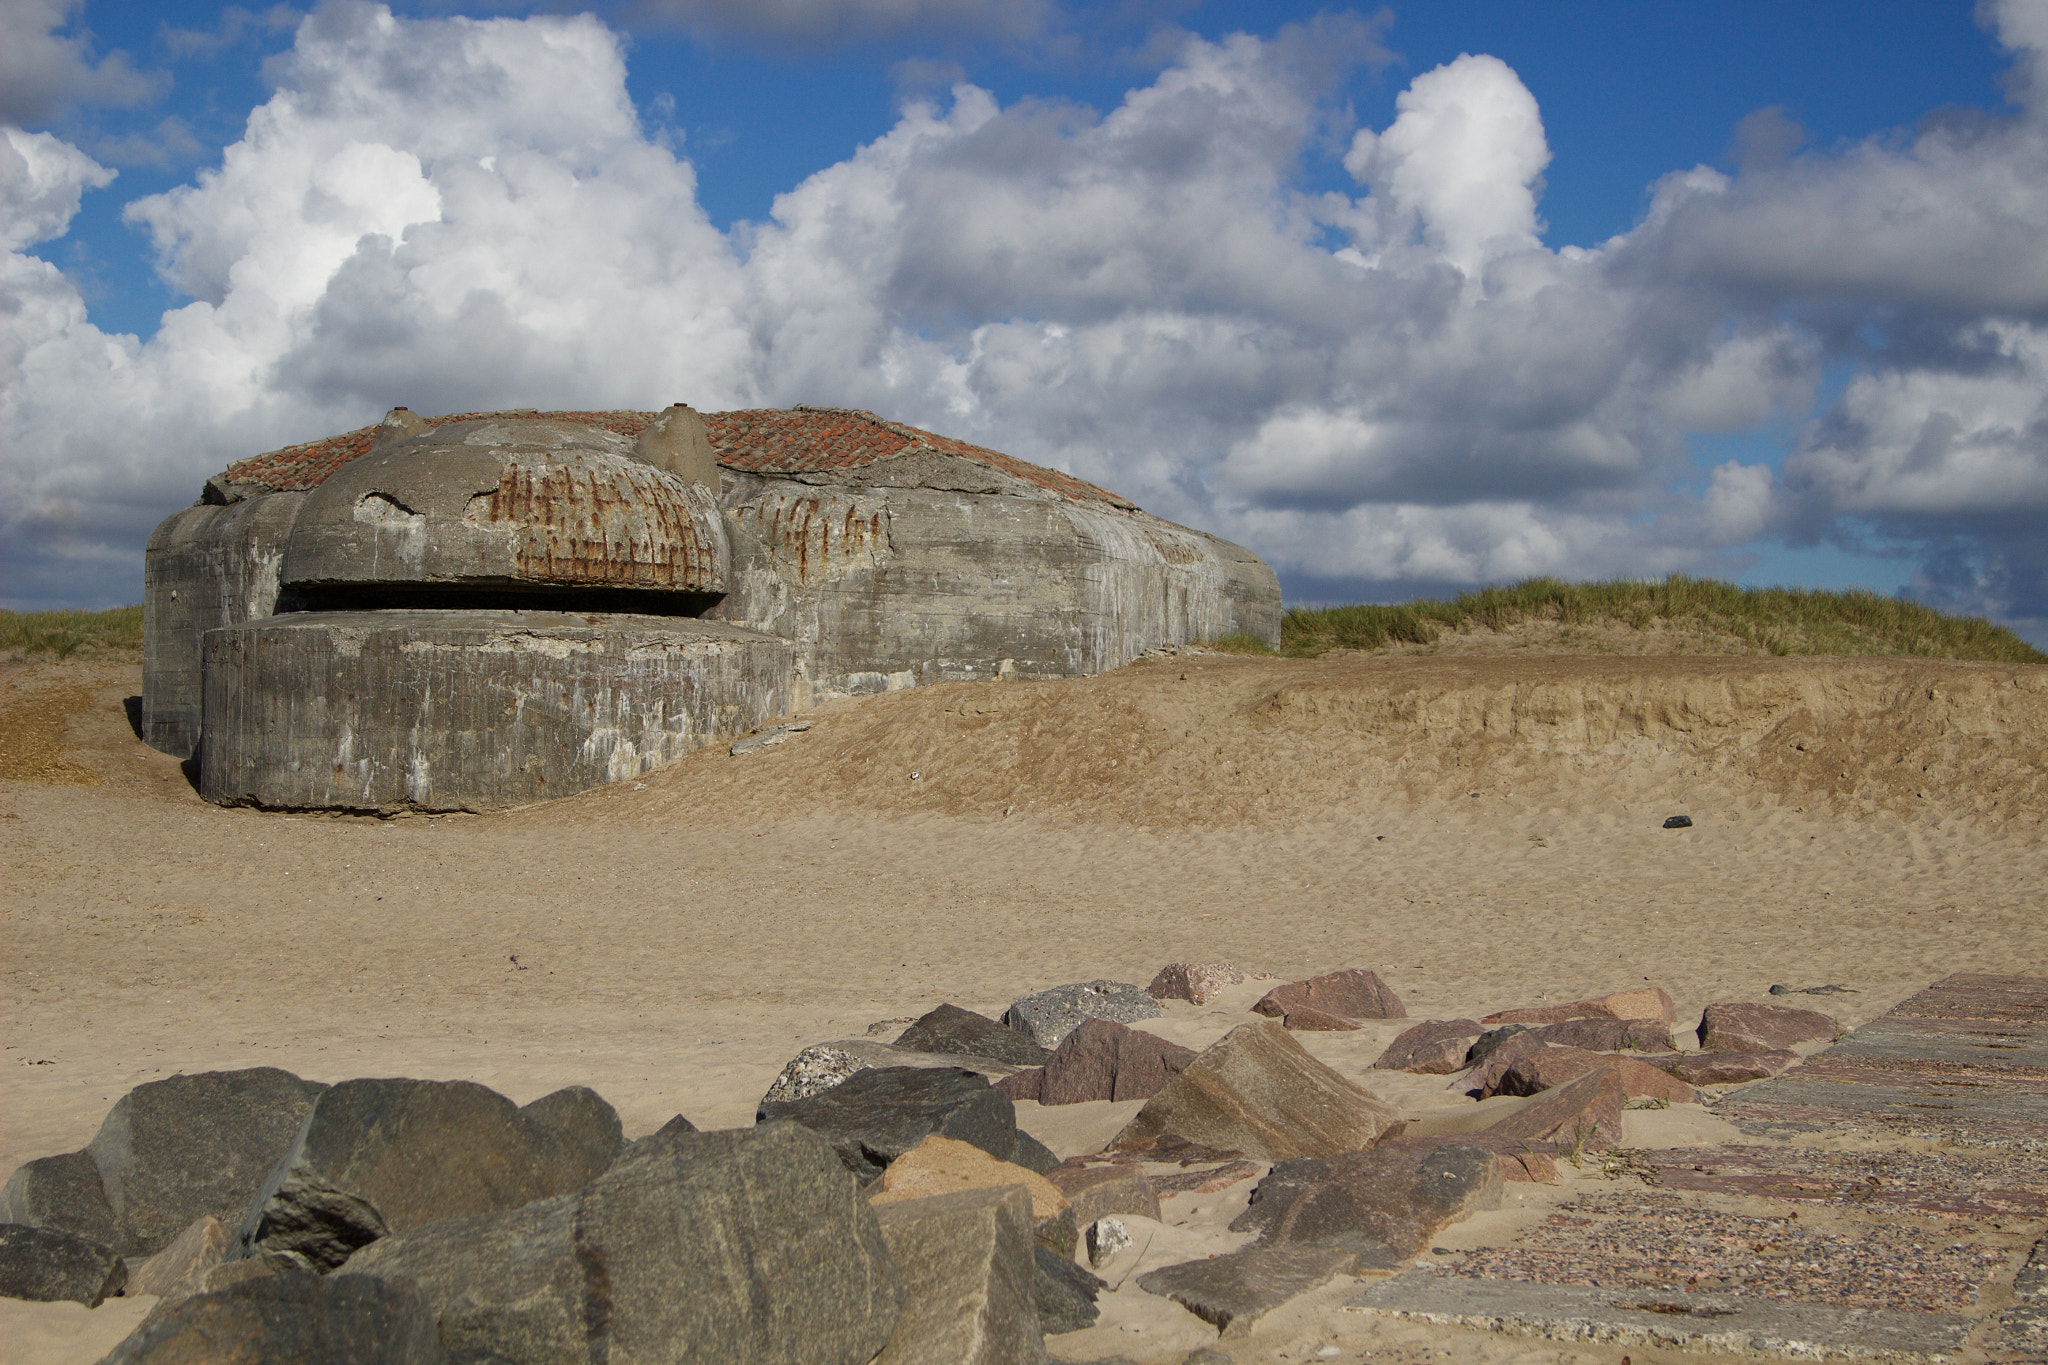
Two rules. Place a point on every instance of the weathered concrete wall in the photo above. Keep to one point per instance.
(469, 710)
(883, 586)
(206, 566)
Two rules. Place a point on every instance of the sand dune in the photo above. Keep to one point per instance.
(1482, 827)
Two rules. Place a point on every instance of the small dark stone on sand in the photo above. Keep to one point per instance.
(1679, 822)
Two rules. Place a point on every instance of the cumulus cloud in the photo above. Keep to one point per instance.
(1395, 387)
(44, 71)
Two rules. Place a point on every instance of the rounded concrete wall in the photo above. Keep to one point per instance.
(469, 710)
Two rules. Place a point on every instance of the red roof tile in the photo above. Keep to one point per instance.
(800, 440)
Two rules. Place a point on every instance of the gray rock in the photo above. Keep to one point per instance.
(305, 1319)
(823, 1065)
(1106, 1237)
(1047, 1017)
(969, 1276)
(951, 1029)
(578, 1133)
(877, 1115)
(1065, 1293)
(1235, 1290)
(379, 1156)
(179, 1271)
(1489, 1042)
(174, 1150)
(47, 1264)
(1384, 1203)
(1258, 1091)
(60, 1192)
(744, 1245)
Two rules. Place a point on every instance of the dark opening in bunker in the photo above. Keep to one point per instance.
(494, 597)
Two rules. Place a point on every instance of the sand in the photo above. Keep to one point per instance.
(1481, 826)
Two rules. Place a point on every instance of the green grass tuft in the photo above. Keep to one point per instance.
(1239, 644)
(64, 634)
(1758, 620)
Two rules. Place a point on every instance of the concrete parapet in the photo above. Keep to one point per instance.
(469, 710)
(206, 566)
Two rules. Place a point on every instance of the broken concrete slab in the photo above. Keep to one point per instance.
(1258, 1092)
(1664, 1317)
(1966, 1059)
(1948, 1182)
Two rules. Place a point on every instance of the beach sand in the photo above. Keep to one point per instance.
(1482, 826)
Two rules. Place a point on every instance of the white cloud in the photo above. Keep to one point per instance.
(827, 21)
(44, 72)
(1404, 386)
(42, 179)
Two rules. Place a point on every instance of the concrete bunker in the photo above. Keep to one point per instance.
(487, 609)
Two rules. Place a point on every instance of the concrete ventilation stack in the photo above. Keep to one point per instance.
(490, 609)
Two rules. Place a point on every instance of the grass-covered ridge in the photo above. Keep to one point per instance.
(63, 634)
(1747, 620)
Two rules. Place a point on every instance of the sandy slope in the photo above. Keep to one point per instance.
(1482, 827)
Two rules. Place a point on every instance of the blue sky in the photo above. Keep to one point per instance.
(1406, 299)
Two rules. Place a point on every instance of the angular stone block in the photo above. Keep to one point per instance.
(1322, 1002)
(1608, 1035)
(1585, 1112)
(306, 1319)
(1723, 1068)
(969, 1277)
(1546, 1068)
(1233, 1291)
(1065, 1292)
(1386, 1203)
(1648, 1002)
(46, 1265)
(1047, 1017)
(749, 1244)
(60, 1192)
(877, 1115)
(174, 1150)
(950, 1029)
(1436, 1047)
(379, 1156)
(941, 1165)
(1195, 982)
(1096, 1192)
(1259, 1092)
(1101, 1060)
(1747, 1027)
(179, 1271)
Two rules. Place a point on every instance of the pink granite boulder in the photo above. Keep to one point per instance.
(1650, 1002)
(1435, 1047)
(1332, 1001)
(1746, 1027)
(1101, 1060)
(1195, 982)
(1546, 1068)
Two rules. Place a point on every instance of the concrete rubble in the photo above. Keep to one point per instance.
(899, 1212)
(488, 609)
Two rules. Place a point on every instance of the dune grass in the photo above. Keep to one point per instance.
(66, 634)
(1756, 620)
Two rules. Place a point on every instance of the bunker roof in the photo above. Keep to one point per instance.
(768, 441)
